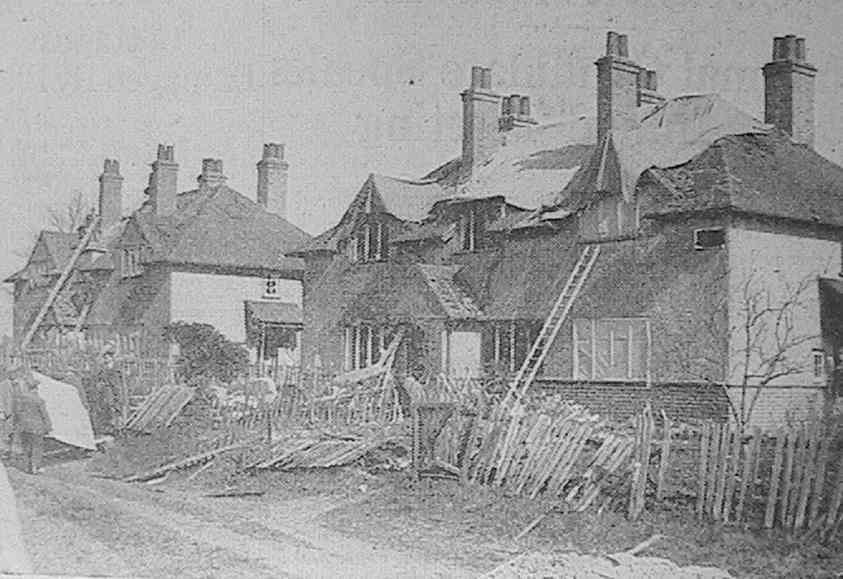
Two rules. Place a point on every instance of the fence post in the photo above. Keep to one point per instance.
(664, 461)
(775, 476)
(703, 469)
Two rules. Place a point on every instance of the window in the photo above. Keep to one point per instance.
(709, 238)
(611, 349)
(469, 228)
(130, 262)
(511, 342)
(364, 344)
(369, 243)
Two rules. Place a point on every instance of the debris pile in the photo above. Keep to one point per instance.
(583, 566)
(384, 449)
(160, 408)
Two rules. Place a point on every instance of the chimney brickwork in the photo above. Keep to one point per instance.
(110, 194)
(789, 89)
(515, 113)
(272, 179)
(211, 175)
(481, 108)
(163, 182)
(617, 87)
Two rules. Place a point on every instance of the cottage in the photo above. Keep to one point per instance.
(671, 250)
(206, 255)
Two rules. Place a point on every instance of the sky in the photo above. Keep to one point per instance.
(349, 87)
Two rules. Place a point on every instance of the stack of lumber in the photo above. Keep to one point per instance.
(160, 408)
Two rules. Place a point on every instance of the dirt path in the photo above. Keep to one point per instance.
(76, 524)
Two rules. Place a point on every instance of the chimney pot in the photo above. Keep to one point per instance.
(476, 77)
(272, 179)
(612, 44)
(515, 104)
(525, 106)
(506, 107)
(623, 47)
(487, 79)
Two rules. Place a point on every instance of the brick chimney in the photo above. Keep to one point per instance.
(272, 179)
(789, 89)
(163, 182)
(211, 175)
(111, 194)
(617, 87)
(515, 113)
(480, 107)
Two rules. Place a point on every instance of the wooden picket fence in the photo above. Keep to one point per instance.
(553, 448)
(791, 479)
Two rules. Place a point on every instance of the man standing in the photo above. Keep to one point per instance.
(32, 422)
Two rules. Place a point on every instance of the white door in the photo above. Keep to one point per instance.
(464, 354)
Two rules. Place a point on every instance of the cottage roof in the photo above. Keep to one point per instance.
(454, 300)
(220, 227)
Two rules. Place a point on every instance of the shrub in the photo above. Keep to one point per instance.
(205, 353)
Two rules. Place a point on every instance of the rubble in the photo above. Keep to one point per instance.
(584, 566)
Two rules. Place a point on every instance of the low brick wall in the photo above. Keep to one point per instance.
(779, 406)
(620, 400)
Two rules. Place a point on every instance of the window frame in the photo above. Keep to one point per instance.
(698, 246)
(631, 346)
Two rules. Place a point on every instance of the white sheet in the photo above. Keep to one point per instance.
(71, 423)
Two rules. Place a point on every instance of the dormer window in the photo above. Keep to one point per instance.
(469, 226)
(368, 243)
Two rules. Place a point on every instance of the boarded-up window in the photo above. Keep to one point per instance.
(611, 349)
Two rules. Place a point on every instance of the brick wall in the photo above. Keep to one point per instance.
(620, 401)
(781, 406)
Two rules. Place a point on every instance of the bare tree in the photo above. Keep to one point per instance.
(759, 336)
(69, 218)
(768, 344)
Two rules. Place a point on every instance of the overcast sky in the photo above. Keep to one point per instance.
(349, 87)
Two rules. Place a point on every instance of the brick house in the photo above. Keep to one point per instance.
(205, 255)
(705, 217)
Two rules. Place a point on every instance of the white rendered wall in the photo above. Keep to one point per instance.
(218, 299)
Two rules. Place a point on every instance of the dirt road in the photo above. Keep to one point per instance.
(76, 524)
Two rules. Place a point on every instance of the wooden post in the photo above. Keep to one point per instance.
(737, 445)
(836, 499)
(747, 482)
(808, 473)
(703, 470)
(775, 477)
(819, 482)
(790, 455)
(664, 461)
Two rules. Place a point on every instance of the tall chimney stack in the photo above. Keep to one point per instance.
(617, 87)
(789, 90)
(211, 175)
(111, 194)
(480, 109)
(272, 179)
(163, 182)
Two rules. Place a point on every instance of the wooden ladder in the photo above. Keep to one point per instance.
(519, 385)
(65, 275)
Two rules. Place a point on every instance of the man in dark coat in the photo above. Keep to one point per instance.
(31, 422)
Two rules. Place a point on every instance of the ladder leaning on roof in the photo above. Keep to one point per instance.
(519, 385)
(65, 274)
